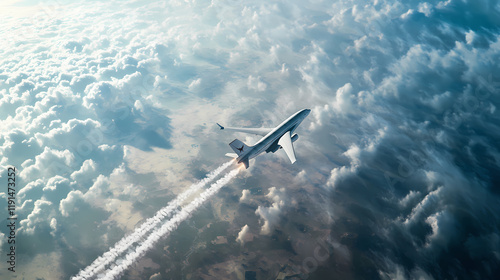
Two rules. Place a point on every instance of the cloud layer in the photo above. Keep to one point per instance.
(398, 161)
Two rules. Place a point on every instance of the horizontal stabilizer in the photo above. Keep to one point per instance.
(231, 155)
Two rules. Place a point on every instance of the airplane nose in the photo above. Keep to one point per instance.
(307, 111)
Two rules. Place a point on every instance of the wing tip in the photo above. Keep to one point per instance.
(221, 127)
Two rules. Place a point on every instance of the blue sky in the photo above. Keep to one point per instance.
(106, 106)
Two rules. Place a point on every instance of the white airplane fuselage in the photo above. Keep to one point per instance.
(269, 142)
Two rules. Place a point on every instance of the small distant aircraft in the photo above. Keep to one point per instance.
(273, 140)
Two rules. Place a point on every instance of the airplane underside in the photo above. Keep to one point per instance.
(280, 138)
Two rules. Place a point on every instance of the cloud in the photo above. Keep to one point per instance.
(32, 189)
(53, 226)
(38, 217)
(443, 229)
(243, 235)
(404, 101)
(97, 191)
(271, 215)
(70, 203)
(87, 171)
(47, 164)
(344, 101)
(256, 84)
(338, 173)
(425, 8)
(244, 195)
(56, 189)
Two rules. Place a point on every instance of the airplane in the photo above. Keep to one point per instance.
(273, 140)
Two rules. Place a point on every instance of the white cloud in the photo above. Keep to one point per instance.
(255, 83)
(425, 8)
(244, 235)
(194, 84)
(97, 192)
(345, 99)
(53, 226)
(469, 37)
(443, 230)
(56, 189)
(47, 164)
(87, 171)
(32, 189)
(407, 14)
(427, 205)
(39, 217)
(244, 195)
(381, 80)
(338, 173)
(69, 204)
(443, 4)
(270, 215)
(409, 198)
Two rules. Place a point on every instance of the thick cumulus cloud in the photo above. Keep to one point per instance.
(270, 215)
(243, 235)
(71, 99)
(398, 161)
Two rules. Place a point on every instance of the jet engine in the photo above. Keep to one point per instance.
(295, 137)
(273, 148)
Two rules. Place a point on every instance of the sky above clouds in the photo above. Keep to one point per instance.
(108, 110)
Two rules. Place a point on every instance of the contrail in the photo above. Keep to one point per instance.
(126, 242)
(168, 227)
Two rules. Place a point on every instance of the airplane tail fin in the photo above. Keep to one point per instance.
(239, 147)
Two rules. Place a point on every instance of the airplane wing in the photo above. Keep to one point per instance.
(258, 131)
(286, 142)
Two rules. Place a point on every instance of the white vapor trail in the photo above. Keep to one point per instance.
(126, 242)
(168, 227)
